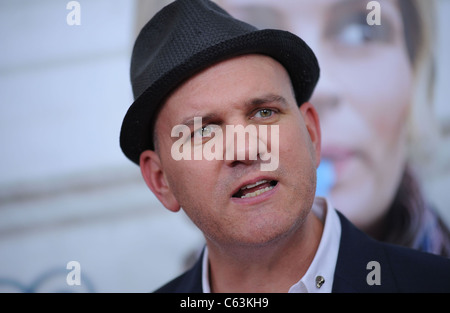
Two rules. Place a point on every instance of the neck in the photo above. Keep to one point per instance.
(273, 267)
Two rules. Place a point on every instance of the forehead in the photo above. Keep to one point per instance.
(285, 14)
(285, 6)
(227, 84)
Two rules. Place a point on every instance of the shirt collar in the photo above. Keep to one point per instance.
(320, 274)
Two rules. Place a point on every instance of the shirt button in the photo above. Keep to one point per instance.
(319, 281)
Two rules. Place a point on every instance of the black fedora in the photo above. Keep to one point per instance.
(188, 36)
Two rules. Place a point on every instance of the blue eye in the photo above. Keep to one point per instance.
(351, 30)
(353, 34)
(358, 34)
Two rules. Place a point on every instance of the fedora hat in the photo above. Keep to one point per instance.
(188, 36)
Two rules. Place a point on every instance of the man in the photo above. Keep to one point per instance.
(197, 75)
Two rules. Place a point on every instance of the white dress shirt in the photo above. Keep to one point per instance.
(320, 274)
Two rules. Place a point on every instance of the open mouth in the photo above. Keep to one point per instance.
(253, 190)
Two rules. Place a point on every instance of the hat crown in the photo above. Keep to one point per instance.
(199, 24)
(188, 36)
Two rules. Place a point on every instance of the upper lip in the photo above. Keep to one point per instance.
(252, 182)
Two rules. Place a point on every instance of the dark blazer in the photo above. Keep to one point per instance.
(401, 269)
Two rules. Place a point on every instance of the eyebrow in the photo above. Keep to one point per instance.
(249, 104)
(269, 98)
(205, 119)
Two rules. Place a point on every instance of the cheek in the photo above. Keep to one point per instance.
(188, 179)
(381, 94)
(297, 157)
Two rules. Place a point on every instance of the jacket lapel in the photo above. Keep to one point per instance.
(353, 272)
(192, 280)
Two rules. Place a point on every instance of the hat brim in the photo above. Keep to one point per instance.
(289, 50)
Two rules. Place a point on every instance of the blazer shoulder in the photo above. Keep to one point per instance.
(417, 271)
(399, 269)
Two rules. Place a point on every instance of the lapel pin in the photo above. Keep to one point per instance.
(319, 281)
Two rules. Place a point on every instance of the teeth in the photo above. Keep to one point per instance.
(257, 192)
(254, 185)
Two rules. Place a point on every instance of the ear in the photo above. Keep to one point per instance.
(313, 126)
(154, 177)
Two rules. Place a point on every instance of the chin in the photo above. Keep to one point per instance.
(268, 230)
(359, 210)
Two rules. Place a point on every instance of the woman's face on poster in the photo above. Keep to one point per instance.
(362, 97)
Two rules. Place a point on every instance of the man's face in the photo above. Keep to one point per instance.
(247, 90)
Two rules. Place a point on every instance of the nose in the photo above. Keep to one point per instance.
(326, 94)
(241, 144)
(326, 97)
